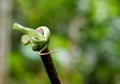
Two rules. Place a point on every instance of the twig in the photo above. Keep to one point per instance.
(39, 39)
(50, 68)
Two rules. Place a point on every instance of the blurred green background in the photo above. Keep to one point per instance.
(86, 33)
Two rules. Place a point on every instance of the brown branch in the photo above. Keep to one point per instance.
(50, 68)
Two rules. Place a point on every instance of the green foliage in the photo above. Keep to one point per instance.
(97, 50)
(44, 12)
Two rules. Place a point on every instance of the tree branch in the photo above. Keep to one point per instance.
(50, 68)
